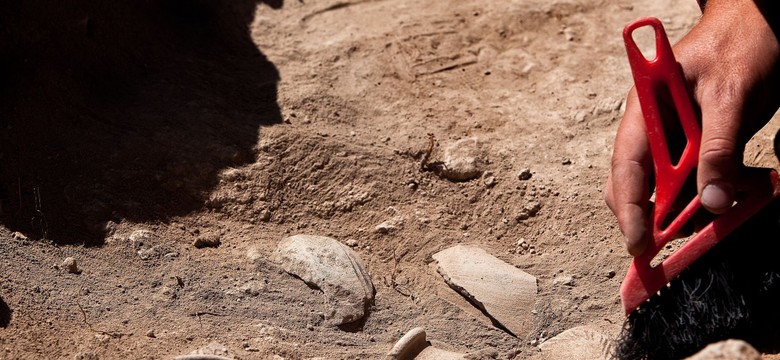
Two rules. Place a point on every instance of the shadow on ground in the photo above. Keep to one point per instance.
(124, 110)
(5, 314)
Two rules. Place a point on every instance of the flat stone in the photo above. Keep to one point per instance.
(463, 160)
(413, 345)
(332, 267)
(505, 293)
(579, 343)
(563, 279)
(727, 350)
(212, 351)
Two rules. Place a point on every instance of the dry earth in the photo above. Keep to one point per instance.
(307, 117)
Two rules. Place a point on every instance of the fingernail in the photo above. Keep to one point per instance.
(715, 197)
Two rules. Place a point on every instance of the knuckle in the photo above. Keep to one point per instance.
(717, 150)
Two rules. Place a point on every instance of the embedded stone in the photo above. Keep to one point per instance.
(579, 343)
(332, 267)
(505, 293)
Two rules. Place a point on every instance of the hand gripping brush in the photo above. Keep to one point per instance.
(653, 79)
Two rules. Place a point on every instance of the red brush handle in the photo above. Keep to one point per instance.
(650, 77)
(653, 78)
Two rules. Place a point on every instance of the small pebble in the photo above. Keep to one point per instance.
(150, 333)
(524, 174)
(71, 266)
(207, 241)
(611, 274)
(352, 243)
(265, 215)
(490, 181)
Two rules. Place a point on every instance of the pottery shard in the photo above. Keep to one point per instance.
(503, 292)
(727, 350)
(463, 160)
(414, 346)
(577, 343)
(332, 267)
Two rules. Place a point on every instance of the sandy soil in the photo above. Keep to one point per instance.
(254, 121)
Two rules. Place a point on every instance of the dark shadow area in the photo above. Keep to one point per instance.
(5, 314)
(124, 110)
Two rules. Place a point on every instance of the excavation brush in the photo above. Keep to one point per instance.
(660, 84)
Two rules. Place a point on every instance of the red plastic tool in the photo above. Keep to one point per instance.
(760, 187)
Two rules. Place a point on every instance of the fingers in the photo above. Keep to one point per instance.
(720, 156)
(626, 193)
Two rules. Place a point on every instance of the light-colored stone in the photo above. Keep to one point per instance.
(254, 253)
(505, 293)
(212, 351)
(563, 279)
(389, 226)
(409, 345)
(70, 265)
(333, 268)
(141, 238)
(579, 343)
(463, 160)
(414, 346)
(727, 350)
(145, 244)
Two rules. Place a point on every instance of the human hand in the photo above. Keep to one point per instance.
(731, 64)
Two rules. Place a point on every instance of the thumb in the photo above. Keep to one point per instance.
(720, 155)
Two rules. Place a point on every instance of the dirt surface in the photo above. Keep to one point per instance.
(131, 131)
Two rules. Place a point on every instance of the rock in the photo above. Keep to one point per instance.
(413, 345)
(528, 211)
(150, 333)
(727, 350)
(140, 238)
(70, 265)
(562, 279)
(144, 243)
(611, 274)
(569, 34)
(524, 174)
(254, 253)
(253, 288)
(207, 241)
(580, 116)
(265, 215)
(147, 253)
(390, 225)
(462, 160)
(212, 351)
(352, 243)
(489, 179)
(503, 292)
(85, 356)
(18, 236)
(333, 268)
(579, 343)
(202, 357)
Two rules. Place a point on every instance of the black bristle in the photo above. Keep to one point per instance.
(730, 292)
